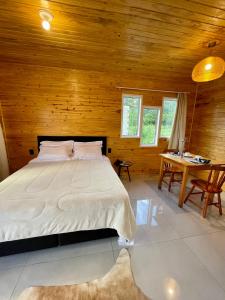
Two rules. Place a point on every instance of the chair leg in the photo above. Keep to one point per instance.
(203, 195)
(220, 205)
(162, 175)
(128, 173)
(190, 192)
(170, 182)
(119, 171)
(205, 206)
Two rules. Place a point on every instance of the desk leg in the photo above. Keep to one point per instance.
(161, 174)
(183, 187)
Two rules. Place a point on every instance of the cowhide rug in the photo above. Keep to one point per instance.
(117, 284)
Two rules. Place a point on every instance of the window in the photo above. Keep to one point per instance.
(150, 126)
(168, 116)
(131, 108)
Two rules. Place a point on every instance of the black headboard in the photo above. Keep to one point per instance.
(41, 138)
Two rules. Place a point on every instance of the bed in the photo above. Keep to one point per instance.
(47, 204)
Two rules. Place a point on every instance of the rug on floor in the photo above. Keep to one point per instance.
(117, 284)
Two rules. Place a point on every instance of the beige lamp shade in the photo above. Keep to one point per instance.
(208, 69)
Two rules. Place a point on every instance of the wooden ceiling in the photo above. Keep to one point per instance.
(148, 37)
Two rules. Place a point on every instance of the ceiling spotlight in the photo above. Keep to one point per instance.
(46, 18)
(46, 25)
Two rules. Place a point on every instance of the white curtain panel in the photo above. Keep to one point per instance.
(4, 167)
(177, 139)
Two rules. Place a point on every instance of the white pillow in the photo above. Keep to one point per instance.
(67, 144)
(94, 143)
(87, 152)
(53, 153)
(89, 143)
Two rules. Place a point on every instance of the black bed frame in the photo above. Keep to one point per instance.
(43, 242)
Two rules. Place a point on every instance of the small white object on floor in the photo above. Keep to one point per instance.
(124, 242)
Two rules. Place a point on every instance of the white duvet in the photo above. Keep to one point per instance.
(56, 197)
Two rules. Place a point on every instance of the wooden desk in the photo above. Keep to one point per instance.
(183, 165)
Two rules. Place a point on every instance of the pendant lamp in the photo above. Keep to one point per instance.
(210, 68)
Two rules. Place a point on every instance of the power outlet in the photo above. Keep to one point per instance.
(31, 151)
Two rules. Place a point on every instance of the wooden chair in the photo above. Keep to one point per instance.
(169, 170)
(209, 188)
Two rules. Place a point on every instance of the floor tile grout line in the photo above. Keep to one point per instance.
(205, 267)
(112, 248)
(22, 271)
(13, 267)
(194, 234)
(201, 234)
(16, 266)
(103, 251)
(114, 256)
(155, 243)
(27, 265)
(17, 281)
(69, 257)
(194, 254)
(30, 253)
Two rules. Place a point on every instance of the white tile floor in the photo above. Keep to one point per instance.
(175, 255)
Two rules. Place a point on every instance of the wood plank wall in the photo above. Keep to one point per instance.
(208, 134)
(55, 101)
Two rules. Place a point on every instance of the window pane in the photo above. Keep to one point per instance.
(149, 134)
(131, 115)
(169, 112)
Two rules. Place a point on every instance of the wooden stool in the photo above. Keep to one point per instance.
(126, 165)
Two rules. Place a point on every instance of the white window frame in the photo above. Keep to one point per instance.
(167, 99)
(139, 118)
(159, 108)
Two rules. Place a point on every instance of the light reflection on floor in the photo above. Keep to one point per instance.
(146, 212)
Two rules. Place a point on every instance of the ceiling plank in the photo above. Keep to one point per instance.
(140, 36)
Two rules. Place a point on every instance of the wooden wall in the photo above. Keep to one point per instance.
(55, 101)
(208, 134)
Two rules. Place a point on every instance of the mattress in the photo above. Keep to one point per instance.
(45, 198)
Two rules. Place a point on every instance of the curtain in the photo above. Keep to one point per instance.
(4, 168)
(177, 139)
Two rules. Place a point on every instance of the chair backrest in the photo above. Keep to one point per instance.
(216, 177)
(170, 150)
(167, 165)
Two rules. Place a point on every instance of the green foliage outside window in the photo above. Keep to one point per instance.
(169, 112)
(150, 119)
(149, 126)
(131, 110)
